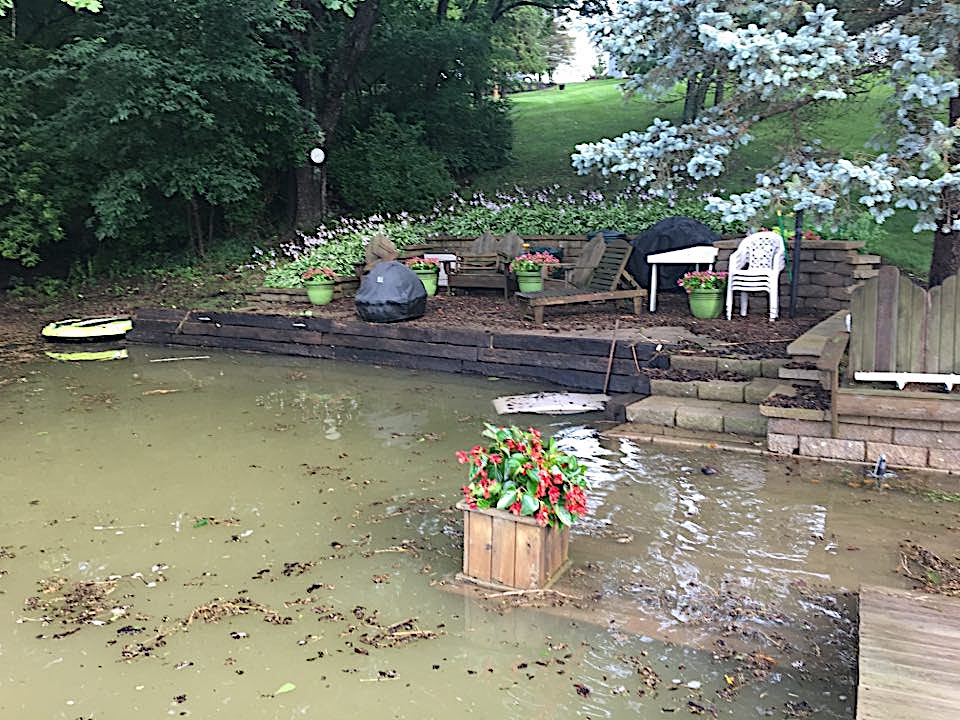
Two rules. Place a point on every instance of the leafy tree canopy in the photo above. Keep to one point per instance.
(782, 57)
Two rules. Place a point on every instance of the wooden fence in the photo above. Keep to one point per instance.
(897, 326)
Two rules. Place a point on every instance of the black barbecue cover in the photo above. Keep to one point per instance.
(390, 292)
(671, 233)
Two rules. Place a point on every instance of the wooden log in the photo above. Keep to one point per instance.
(400, 360)
(598, 346)
(305, 337)
(452, 336)
(590, 363)
(410, 347)
(279, 348)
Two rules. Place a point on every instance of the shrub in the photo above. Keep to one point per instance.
(387, 168)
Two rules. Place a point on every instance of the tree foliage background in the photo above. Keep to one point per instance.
(142, 130)
(786, 59)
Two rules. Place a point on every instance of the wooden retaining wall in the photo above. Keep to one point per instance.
(569, 362)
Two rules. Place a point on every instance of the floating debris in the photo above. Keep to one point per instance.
(934, 574)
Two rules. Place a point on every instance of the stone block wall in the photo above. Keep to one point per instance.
(905, 442)
(829, 271)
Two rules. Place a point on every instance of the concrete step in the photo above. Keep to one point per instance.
(751, 368)
(753, 392)
(713, 416)
(642, 432)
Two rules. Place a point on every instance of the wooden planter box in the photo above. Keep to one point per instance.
(502, 550)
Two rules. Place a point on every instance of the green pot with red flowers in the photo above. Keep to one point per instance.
(706, 292)
(521, 497)
(428, 270)
(529, 270)
(319, 285)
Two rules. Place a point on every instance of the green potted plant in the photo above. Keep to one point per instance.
(428, 270)
(529, 270)
(521, 497)
(706, 290)
(319, 284)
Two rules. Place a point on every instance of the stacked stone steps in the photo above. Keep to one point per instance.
(753, 392)
(718, 409)
(713, 416)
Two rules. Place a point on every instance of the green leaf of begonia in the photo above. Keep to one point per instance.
(563, 514)
(507, 500)
(529, 505)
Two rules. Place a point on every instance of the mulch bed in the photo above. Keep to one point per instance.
(808, 397)
(684, 375)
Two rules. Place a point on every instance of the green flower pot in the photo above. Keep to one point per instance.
(429, 279)
(707, 304)
(529, 281)
(320, 292)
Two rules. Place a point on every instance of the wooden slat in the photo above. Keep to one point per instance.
(867, 327)
(858, 315)
(479, 543)
(931, 344)
(948, 320)
(909, 650)
(918, 329)
(906, 317)
(503, 554)
(531, 572)
(953, 290)
(885, 329)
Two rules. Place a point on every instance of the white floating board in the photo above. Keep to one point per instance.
(560, 403)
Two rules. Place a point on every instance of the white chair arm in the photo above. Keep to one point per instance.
(738, 260)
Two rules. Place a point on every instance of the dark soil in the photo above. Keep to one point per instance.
(683, 375)
(809, 397)
(752, 336)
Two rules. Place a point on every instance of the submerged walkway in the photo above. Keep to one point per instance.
(909, 655)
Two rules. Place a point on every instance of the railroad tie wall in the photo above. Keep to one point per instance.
(578, 363)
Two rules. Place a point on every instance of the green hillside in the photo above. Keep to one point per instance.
(549, 123)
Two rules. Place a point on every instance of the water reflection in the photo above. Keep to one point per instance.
(314, 489)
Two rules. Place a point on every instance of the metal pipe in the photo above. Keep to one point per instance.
(795, 263)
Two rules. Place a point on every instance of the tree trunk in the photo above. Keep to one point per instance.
(443, 7)
(720, 82)
(689, 98)
(340, 77)
(946, 245)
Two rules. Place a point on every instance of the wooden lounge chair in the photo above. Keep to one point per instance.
(486, 263)
(608, 280)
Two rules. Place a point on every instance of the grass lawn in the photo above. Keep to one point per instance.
(549, 123)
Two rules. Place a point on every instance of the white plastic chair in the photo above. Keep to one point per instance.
(755, 266)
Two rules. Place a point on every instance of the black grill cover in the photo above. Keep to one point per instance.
(391, 292)
(671, 233)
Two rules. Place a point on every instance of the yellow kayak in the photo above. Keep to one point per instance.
(88, 328)
(98, 355)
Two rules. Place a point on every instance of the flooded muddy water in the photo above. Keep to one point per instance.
(263, 537)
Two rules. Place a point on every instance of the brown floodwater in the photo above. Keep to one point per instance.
(263, 537)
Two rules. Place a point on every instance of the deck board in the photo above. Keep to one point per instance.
(909, 650)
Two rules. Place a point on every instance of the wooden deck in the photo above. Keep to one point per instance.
(909, 655)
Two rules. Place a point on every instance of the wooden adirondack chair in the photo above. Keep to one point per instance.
(608, 280)
(486, 263)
